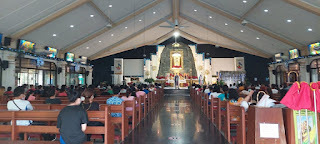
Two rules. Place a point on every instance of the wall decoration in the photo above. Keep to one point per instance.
(239, 63)
(26, 46)
(176, 59)
(314, 48)
(118, 66)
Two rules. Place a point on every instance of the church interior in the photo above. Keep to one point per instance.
(159, 71)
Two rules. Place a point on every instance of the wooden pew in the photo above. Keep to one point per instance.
(123, 120)
(101, 116)
(215, 112)
(231, 114)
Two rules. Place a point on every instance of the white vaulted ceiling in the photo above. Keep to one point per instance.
(99, 28)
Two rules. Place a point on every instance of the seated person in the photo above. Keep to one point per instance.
(274, 89)
(109, 90)
(51, 93)
(9, 92)
(20, 104)
(225, 93)
(123, 89)
(115, 100)
(145, 89)
(63, 92)
(72, 121)
(215, 92)
(30, 96)
(206, 89)
(39, 90)
(128, 97)
(140, 92)
(31, 88)
(89, 105)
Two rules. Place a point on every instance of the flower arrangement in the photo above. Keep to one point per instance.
(194, 77)
(149, 80)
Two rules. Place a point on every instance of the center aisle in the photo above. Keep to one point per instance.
(175, 121)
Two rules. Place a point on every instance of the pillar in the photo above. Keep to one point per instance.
(61, 77)
(304, 75)
(89, 77)
(8, 75)
(272, 77)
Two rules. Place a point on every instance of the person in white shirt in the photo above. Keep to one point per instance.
(274, 89)
(215, 92)
(20, 104)
(233, 86)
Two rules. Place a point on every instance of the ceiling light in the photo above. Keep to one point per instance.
(289, 21)
(257, 38)
(110, 6)
(244, 1)
(99, 41)
(154, 12)
(71, 26)
(126, 27)
(54, 35)
(309, 29)
(111, 34)
(225, 24)
(266, 10)
(87, 47)
(195, 10)
(91, 15)
(176, 34)
(140, 20)
(241, 30)
(210, 16)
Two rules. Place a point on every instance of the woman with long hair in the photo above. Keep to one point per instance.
(89, 105)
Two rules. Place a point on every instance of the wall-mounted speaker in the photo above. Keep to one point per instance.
(87, 73)
(59, 70)
(5, 65)
(274, 72)
(7, 41)
(308, 68)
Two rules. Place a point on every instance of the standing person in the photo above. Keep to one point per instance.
(72, 121)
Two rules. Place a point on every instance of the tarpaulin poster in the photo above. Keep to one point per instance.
(305, 127)
(118, 66)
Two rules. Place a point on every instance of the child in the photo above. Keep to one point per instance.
(72, 121)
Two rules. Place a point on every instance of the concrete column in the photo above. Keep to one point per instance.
(304, 75)
(8, 75)
(61, 78)
(89, 77)
(272, 77)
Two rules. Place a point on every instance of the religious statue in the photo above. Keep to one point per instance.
(200, 80)
(176, 81)
(176, 59)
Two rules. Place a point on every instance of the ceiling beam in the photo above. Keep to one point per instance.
(259, 52)
(102, 31)
(175, 10)
(305, 6)
(154, 42)
(48, 19)
(101, 12)
(251, 9)
(250, 25)
(199, 40)
(101, 52)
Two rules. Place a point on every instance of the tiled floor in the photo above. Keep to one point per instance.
(175, 121)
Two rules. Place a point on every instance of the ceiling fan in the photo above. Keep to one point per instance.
(174, 25)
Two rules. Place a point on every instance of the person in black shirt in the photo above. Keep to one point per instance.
(51, 93)
(89, 105)
(72, 121)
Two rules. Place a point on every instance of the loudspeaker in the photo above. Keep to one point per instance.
(7, 41)
(59, 70)
(87, 73)
(5, 65)
(274, 72)
(308, 68)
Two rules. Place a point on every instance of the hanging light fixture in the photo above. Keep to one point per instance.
(176, 34)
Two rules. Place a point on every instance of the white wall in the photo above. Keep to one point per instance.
(222, 64)
(133, 67)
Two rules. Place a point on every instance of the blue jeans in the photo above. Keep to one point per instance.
(61, 140)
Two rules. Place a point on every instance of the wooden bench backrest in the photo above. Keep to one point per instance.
(102, 116)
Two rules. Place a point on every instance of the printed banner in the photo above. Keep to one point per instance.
(305, 127)
(118, 66)
(239, 63)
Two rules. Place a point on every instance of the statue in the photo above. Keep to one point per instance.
(176, 81)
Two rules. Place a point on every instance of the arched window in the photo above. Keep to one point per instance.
(314, 70)
(293, 74)
(281, 75)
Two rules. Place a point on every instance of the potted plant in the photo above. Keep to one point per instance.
(149, 80)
